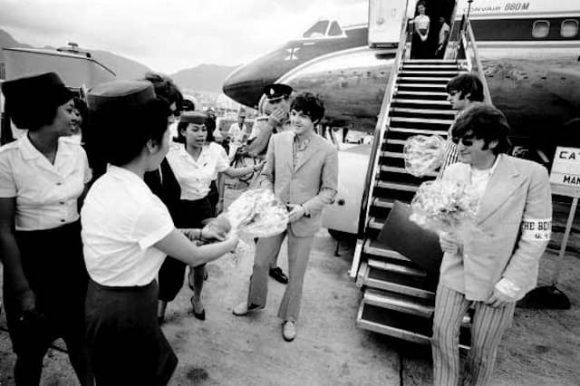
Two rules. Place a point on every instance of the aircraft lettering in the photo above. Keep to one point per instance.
(568, 155)
(516, 6)
(572, 180)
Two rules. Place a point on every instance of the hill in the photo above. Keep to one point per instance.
(205, 77)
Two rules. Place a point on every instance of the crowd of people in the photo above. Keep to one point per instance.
(120, 220)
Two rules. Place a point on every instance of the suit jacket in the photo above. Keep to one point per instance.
(517, 194)
(312, 183)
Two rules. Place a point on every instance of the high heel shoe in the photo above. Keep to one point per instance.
(198, 315)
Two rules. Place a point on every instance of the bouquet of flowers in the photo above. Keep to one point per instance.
(255, 213)
(423, 154)
(447, 206)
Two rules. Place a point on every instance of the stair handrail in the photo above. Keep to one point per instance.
(473, 61)
(380, 129)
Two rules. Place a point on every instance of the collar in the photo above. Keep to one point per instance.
(123, 173)
(29, 151)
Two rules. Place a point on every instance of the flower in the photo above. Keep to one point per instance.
(423, 154)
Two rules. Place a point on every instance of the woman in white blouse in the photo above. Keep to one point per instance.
(421, 23)
(127, 233)
(42, 178)
(196, 164)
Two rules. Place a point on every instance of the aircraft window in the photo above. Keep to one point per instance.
(569, 28)
(541, 29)
(317, 30)
(335, 29)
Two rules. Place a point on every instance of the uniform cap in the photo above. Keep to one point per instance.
(120, 94)
(46, 90)
(195, 117)
(277, 91)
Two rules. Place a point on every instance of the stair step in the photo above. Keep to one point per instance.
(374, 319)
(430, 61)
(421, 93)
(398, 283)
(421, 85)
(382, 203)
(417, 131)
(422, 111)
(398, 302)
(393, 169)
(376, 224)
(449, 74)
(444, 103)
(429, 79)
(423, 120)
(390, 267)
(373, 247)
(446, 67)
(391, 154)
(393, 186)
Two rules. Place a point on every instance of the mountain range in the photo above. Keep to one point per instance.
(202, 78)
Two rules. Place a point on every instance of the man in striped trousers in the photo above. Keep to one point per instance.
(495, 269)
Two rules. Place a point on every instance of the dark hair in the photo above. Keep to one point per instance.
(420, 3)
(467, 83)
(485, 122)
(33, 117)
(308, 104)
(183, 125)
(165, 89)
(121, 132)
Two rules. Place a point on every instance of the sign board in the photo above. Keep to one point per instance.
(385, 21)
(566, 167)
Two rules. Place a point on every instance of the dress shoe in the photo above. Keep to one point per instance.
(278, 275)
(243, 309)
(289, 331)
(198, 315)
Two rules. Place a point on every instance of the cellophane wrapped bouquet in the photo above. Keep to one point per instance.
(255, 213)
(446, 206)
(423, 154)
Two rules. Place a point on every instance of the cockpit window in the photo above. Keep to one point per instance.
(318, 30)
(569, 28)
(335, 29)
(541, 29)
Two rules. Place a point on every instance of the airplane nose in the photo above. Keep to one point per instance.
(244, 86)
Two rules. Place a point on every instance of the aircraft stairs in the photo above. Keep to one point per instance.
(398, 297)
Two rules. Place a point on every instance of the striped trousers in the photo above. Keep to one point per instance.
(488, 326)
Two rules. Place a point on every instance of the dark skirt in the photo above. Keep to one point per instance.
(53, 263)
(126, 344)
(172, 272)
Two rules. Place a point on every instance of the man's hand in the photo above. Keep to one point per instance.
(499, 299)
(449, 244)
(277, 117)
(296, 212)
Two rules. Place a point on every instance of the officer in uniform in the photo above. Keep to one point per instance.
(274, 120)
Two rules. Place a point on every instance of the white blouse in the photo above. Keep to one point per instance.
(422, 22)
(121, 221)
(195, 176)
(46, 194)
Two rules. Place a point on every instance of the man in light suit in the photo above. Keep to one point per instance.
(496, 268)
(302, 169)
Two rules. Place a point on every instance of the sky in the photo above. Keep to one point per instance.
(170, 35)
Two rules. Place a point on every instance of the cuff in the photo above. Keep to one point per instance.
(507, 288)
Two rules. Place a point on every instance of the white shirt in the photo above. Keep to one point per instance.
(480, 178)
(121, 221)
(195, 177)
(237, 133)
(46, 194)
(422, 22)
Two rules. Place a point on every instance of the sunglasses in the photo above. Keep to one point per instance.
(465, 141)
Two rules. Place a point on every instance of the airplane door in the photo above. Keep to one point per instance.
(385, 18)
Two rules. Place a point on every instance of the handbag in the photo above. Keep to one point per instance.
(419, 245)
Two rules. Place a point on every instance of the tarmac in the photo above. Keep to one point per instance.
(541, 348)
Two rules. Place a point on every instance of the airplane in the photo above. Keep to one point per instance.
(530, 51)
